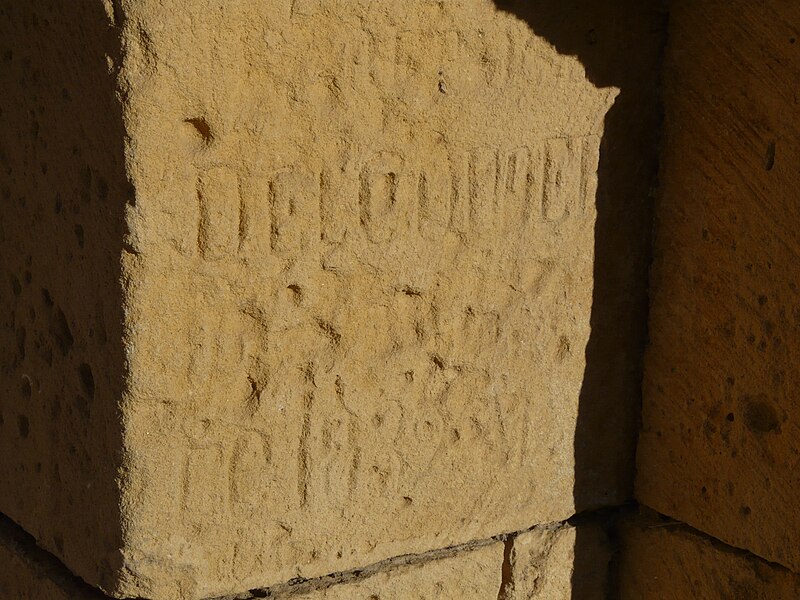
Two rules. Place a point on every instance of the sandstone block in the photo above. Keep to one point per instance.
(538, 564)
(720, 444)
(673, 563)
(28, 573)
(62, 191)
(559, 562)
(469, 574)
(298, 287)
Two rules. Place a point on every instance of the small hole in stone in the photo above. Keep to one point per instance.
(102, 188)
(62, 335)
(202, 128)
(730, 417)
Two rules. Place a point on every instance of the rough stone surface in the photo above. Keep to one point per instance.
(544, 564)
(720, 446)
(62, 191)
(538, 564)
(356, 285)
(470, 574)
(673, 563)
(329, 304)
(360, 283)
(620, 44)
(28, 573)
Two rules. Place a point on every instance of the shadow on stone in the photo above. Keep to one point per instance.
(620, 44)
(63, 193)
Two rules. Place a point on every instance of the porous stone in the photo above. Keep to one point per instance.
(63, 187)
(670, 562)
(328, 305)
(720, 444)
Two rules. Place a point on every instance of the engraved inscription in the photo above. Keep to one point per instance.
(294, 210)
(379, 196)
(218, 197)
(481, 192)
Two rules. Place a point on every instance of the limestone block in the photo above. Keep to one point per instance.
(471, 574)
(720, 445)
(329, 304)
(673, 563)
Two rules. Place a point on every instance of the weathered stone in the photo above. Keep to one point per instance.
(537, 564)
(620, 44)
(470, 574)
(720, 445)
(674, 563)
(63, 187)
(329, 304)
(28, 573)
(343, 264)
(553, 563)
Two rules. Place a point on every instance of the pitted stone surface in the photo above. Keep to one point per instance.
(720, 443)
(673, 563)
(63, 186)
(356, 283)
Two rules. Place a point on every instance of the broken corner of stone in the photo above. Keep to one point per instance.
(289, 288)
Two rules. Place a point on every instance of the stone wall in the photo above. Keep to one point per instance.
(720, 447)
(347, 299)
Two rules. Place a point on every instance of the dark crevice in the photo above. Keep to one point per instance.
(585, 566)
(507, 577)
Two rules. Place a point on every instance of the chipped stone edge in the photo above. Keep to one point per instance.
(42, 563)
(303, 586)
